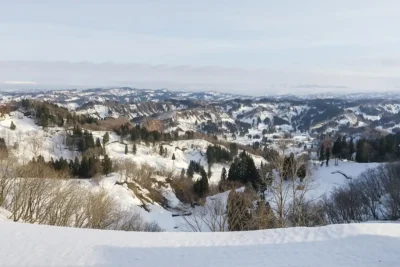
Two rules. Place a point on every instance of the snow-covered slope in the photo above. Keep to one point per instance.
(325, 179)
(355, 245)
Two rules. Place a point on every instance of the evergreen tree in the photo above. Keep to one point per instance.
(89, 139)
(12, 126)
(98, 143)
(161, 150)
(258, 120)
(344, 148)
(363, 153)
(82, 145)
(183, 173)
(328, 155)
(126, 149)
(351, 147)
(44, 121)
(106, 138)
(107, 165)
(222, 181)
(244, 170)
(200, 187)
(322, 153)
(92, 164)
(337, 147)
(190, 171)
(84, 168)
(223, 174)
(76, 167)
(173, 156)
(134, 149)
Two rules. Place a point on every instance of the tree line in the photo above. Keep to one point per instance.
(87, 167)
(385, 148)
(142, 134)
(49, 114)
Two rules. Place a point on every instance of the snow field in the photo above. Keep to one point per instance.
(355, 245)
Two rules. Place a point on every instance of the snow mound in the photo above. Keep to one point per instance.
(353, 245)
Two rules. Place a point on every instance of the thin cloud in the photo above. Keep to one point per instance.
(20, 82)
(185, 77)
(318, 86)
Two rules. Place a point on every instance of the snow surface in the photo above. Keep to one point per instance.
(355, 245)
(324, 179)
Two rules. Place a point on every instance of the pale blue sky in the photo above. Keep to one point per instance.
(253, 47)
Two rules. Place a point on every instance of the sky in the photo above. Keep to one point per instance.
(253, 47)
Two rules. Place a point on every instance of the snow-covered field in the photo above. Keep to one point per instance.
(353, 245)
(324, 179)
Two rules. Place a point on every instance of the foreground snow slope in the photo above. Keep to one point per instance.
(352, 245)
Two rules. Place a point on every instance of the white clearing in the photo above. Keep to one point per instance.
(355, 245)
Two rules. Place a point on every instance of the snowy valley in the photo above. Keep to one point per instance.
(273, 174)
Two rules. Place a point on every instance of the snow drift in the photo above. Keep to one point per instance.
(353, 245)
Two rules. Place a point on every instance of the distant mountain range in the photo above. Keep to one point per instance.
(138, 95)
(350, 96)
(214, 112)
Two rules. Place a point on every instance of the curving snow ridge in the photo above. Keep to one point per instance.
(353, 245)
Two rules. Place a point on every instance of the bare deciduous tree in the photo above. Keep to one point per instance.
(212, 217)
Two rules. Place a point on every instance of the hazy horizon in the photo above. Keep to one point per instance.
(265, 47)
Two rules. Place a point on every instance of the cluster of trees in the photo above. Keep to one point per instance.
(211, 127)
(201, 186)
(83, 139)
(383, 149)
(164, 152)
(244, 170)
(386, 148)
(87, 167)
(138, 134)
(293, 168)
(238, 126)
(279, 121)
(216, 153)
(49, 114)
(254, 123)
(342, 149)
(324, 154)
(194, 167)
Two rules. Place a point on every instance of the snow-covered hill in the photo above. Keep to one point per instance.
(32, 140)
(181, 110)
(353, 245)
